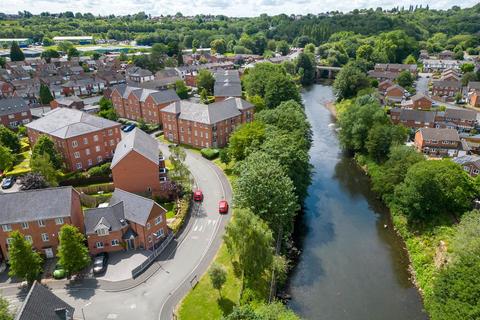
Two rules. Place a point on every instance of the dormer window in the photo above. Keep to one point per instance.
(102, 231)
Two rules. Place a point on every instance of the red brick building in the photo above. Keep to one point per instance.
(82, 139)
(418, 102)
(205, 126)
(138, 166)
(39, 215)
(14, 112)
(128, 222)
(138, 103)
(72, 102)
(437, 142)
(411, 118)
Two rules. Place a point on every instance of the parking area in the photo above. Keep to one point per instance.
(121, 264)
(14, 188)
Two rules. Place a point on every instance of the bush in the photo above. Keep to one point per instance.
(209, 153)
(101, 170)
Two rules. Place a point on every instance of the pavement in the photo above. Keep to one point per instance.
(121, 264)
(156, 292)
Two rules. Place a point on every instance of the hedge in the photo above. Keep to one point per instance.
(209, 153)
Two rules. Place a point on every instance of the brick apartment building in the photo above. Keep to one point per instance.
(438, 142)
(14, 111)
(204, 126)
(128, 222)
(39, 215)
(138, 103)
(446, 88)
(137, 165)
(227, 84)
(82, 139)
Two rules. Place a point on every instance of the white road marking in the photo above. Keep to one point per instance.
(133, 306)
(112, 316)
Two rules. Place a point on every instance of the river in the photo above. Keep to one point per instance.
(353, 265)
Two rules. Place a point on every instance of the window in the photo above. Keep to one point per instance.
(148, 225)
(41, 223)
(85, 140)
(110, 132)
(103, 232)
(95, 138)
(87, 152)
(24, 225)
(9, 241)
(74, 143)
(112, 142)
(11, 116)
(79, 165)
(76, 154)
(159, 233)
(99, 244)
(158, 220)
(29, 238)
(90, 162)
(58, 221)
(6, 227)
(115, 243)
(97, 148)
(24, 114)
(149, 238)
(99, 159)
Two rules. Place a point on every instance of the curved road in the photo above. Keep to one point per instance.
(182, 263)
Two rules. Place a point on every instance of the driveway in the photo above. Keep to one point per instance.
(121, 264)
(181, 264)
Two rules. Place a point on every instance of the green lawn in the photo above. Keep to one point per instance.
(162, 139)
(204, 302)
(170, 207)
(22, 165)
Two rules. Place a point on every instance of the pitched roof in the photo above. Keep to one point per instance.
(159, 96)
(417, 115)
(468, 159)
(35, 205)
(66, 123)
(419, 96)
(42, 304)
(112, 217)
(462, 114)
(439, 134)
(12, 105)
(227, 76)
(136, 208)
(447, 83)
(227, 89)
(137, 141)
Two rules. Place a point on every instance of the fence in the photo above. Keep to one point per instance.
(156, 252)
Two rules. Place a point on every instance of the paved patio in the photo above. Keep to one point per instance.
(121, 264)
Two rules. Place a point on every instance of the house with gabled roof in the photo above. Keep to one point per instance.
(138, 166)
(14, 111)
(128, 222)
(42, 304)
(440, 142)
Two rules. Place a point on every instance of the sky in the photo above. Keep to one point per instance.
(242, 8)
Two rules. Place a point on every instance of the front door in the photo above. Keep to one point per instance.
(130, 244)
(49, 253)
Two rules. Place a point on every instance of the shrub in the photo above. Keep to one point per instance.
(98, 171)
(209, 153)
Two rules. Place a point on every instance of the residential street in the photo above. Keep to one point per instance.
(181, 264)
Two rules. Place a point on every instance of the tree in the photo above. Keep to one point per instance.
(280, 89)
(3, 62)
(265, 189)
(33, 180)
(467, 67)
(72, 253)
(250, 241)
(469, 76)
(310, 48)
(257, 101)
(45, 145)
(107, 110)
(219, 46)
(242, 312)
(349, 81)
(204, 96)
(433, 188)
(16, 54)
(49, 54)
(381, 137)
(246, 139)
(305, 68)
(159, 51)
(9, 139)
(45, 94)
(283, 48)
(73, 52)
(256, 79)
(180, 174)
(24, 262)
(410, 59)
(7, 158)
(205, 80)
(405, 79)
(275, 310)
(218, 277)
(64, 46)
(5, 313)
(41, 164)
(181, 89)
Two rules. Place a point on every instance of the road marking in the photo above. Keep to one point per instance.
(133, 306)
(112, 316)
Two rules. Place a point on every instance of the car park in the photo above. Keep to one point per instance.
(8, 182)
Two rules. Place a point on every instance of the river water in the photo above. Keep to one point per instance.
(353, 265)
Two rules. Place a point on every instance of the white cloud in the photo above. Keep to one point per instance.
(227, 7)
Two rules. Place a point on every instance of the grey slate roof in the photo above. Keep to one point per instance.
(35, 205)
(12, 105)
(462, 114)
(468, 159)
(110, 216)
(159, 96)
(66, 123)
(440, 134)
(227, 89)
(136, 208)
(42, 304)
(207, 114)
(137, 141)
(474, 85)
(417, 115)
(227, 76)
(447, 84)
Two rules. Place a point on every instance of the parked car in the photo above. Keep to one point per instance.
(173, 145)
(7, 183)
(59, 272)
(198, 195)
(129, 127)
(223, 206)
(100, 263)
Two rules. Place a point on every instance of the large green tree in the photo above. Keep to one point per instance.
(246, 139)
(205, 81)
(218, 277)
(381, 137)
(9, 139)
(7, 158)
(45, 94)
(280, 89)
(5, 311)
(349, 81)
(45, 145)
(305, 68)
(16, 54)
(41, 164)
(72, 253)
(255, 79)
(24, 262)
(181, 89)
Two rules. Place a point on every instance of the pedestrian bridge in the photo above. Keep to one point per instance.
(327, 72)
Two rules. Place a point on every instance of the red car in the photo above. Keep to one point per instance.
(198, 195)
(223, 206)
